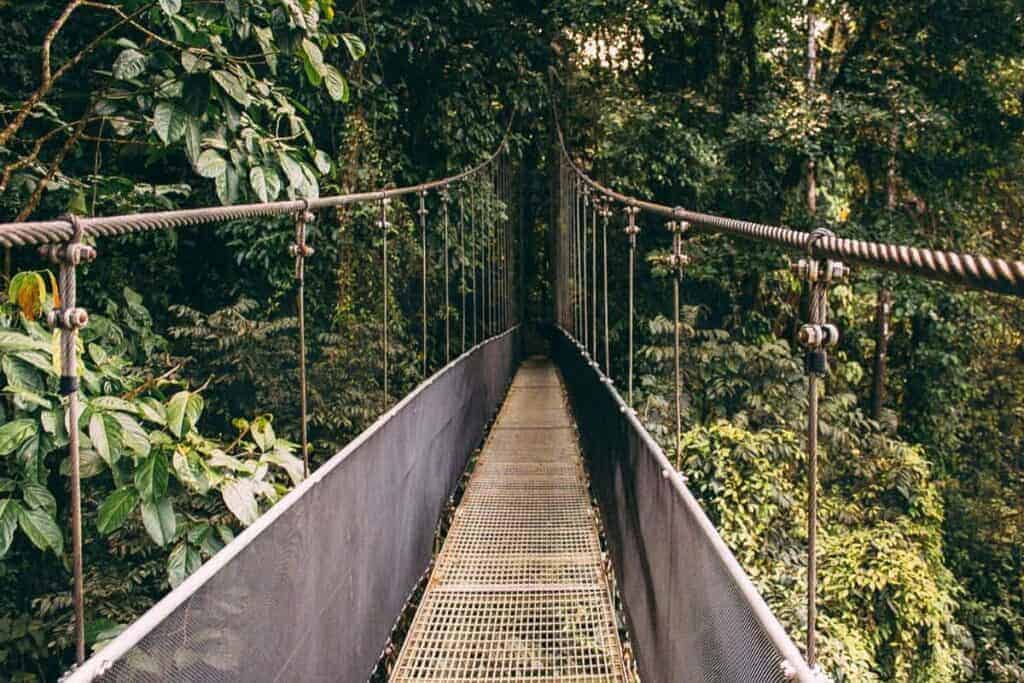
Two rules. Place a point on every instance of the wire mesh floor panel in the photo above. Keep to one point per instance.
(519, 590)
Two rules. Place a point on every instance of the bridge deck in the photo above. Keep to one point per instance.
(519, 589)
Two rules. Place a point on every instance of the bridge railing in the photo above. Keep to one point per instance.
(582, 312)
(475, 232)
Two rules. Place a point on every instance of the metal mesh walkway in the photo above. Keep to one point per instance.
(518, 591)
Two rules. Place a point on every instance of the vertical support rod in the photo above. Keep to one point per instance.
(605, 212)
(583, 269)
(445, 199)
(384, 229)
(69, 319)
(462, 265)
(423, 247)
(631, 231)
(812, 516)
(473, 249)
(300, 250)
(593, 279)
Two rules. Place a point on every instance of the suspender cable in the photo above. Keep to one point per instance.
(593, 277)
(583, 269)
(605, 213)
(678, 261)
(423, 233)
(384, 229)
(473, 255)
(816, 336)
(300, 250)
(631, 231)
(462, 265)
(69, 320)
(445, 199)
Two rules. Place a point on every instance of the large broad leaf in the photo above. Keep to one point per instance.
(158, 518)
(10, 510)
(337, 86)
(129, 64)
(184, 560)
(232, 85)
(151, 477)
(226, 185)
(170, 7)
(133, 436)
(15, 433)
(21, 374)
(240, 497)
(263, 432)
(41, 530)
(356, 46)
(292, 170)
(105, 434)
(38, 497)
(28, 290)
(211, 164)
(114, 403)
(292, 465)
(169, 122)
(16, 341)
(153, 411)
(189, 469)
(116, 508)
(183, 411)
(265, 38)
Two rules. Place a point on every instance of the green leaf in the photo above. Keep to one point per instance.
(211, 164)
(356, 46)
(151, 477)
(288, 462)
(116, 509)
(158, 518)
(169, 122)
(41, 530)
(133, 436)
(311, 52)
(322, 161)
(232, 85)
(15, 433)
(100, 435)
(263, 432)
(227, 186)
(21, 374)
(10, 510)
(16, 341)
(190, 471)
(258, 182)
(170, 7)
(183, 411)
(115, 403)
(292, 171)
(240, 497)
(184, 560)
(153, 411)
(129, 64)
(38, 497)
(337, 86)
(265, 38)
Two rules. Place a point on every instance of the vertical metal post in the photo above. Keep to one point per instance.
(816, 337)
(69, 319)
(384, 229)
(423, 233)
(605, 213)
(631, 230)
(299, 251)
(583, 269)
(678, 260)
(445, 199)
(593, 278)
(473, 220)
(462, 266)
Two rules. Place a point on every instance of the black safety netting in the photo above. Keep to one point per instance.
(310, 592)
(692, 612)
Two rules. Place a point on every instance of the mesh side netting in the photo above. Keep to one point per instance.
(693, 613)
(311, 591)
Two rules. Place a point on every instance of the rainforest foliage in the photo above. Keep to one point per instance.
(878, 119)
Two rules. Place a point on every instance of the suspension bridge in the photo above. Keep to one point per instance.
(576, 552)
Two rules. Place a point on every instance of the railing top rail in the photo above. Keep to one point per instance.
(60, 230)
(970, 270)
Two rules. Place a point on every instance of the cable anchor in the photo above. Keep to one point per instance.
(818, 335)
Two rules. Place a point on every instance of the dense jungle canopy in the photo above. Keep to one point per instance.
(879, 119)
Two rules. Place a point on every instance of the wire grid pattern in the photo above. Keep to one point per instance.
(518, 590)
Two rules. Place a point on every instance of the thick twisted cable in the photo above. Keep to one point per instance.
(970, 270)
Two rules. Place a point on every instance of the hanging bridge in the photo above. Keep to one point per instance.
(576, 552)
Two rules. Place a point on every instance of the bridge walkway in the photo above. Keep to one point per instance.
(519, 589)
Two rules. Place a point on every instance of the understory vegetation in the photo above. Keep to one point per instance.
(880, 120)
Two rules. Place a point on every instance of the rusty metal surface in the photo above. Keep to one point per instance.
(518, 590)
